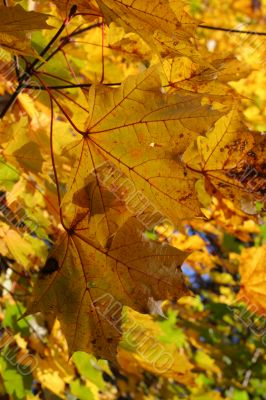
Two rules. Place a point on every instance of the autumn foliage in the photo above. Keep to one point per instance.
(132, 199)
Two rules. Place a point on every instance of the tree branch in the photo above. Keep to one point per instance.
(30, 69)
(217, 28)
(67, 39)
(80, 31)
(74, 86)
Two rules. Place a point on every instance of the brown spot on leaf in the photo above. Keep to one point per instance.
(50, 267)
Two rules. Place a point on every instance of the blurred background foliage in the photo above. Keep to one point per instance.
(217, 343)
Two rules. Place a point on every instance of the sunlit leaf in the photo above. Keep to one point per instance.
(15, 23)
(87, 287)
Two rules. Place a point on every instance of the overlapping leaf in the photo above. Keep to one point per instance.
(163, 24)
(142, 348)
(86, 287)
(250, 171)
(15, 23)
(135, 136)
(253, 278)
(123, 163)
(213, 77)
(128, 162)
(88, 7)
(217, 156)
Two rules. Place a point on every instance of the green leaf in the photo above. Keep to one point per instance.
(230, 243)
(88, 368)
(172, 334)
(81, 391)
(16, 384)
(239, 395)
(9, 175)
(11, 320)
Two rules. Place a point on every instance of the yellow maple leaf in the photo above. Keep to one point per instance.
(164, 25)
(220, 159)
(86, 287)
(88, 7)
(253, 278)
(15, 23)
(212, 77)
(125, 150)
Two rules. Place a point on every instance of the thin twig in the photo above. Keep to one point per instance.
(55, 37)
(80, 31)
(30, 69)
(67, 39)
(54, 76)
(72, 100)
(217, 28)
(18, 295)
(74, 86)
(60, 107)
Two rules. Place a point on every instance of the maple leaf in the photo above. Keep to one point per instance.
(164, 25)
(253, 278)
(128, 136)
(250, 171)
(123, 124)
(88, 7)
(123, 174)
(216, 156)
(86, 287)
(15, 23)
(22, 146)
(212, 77)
